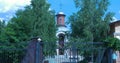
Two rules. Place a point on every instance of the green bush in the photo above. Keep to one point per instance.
(113, 43)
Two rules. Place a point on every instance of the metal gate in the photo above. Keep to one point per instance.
(77, 52)
(72, 52)
(47, 52)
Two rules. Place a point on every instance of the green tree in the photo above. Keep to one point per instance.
(36, 20)
(2, 31)
(19, 28)
(43, 23)
(91, 22)
(113, 43)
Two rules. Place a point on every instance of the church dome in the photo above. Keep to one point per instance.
(60, 12)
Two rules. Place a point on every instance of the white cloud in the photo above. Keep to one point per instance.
(9, 7)
(12, 5)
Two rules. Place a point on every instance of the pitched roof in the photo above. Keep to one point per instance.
(118, 21)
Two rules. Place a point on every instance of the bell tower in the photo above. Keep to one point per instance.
(60, 19)
(61, 32)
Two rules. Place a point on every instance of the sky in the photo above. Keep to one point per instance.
(9, 7)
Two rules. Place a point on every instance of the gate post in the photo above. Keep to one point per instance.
(110, 55)
(39, 51)
(34, 53)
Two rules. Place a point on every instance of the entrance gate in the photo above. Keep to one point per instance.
(46, 52)
(77, 52)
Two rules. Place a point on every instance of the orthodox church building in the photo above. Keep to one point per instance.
(61, 32)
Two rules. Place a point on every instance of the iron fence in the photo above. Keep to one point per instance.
(11, 55)
(47, 52)
(78, 52)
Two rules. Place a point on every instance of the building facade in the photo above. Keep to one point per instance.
(115, 29)
(115, 32)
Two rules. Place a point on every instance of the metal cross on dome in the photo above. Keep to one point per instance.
(61, 5)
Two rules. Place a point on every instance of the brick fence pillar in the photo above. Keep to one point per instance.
(34, 52)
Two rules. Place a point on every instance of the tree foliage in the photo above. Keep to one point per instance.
(113, 43)
(2, 30)
(36, 20)
(91, 22)
(43, 20)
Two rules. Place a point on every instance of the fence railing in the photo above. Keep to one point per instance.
(11, 55)
(45, 52)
